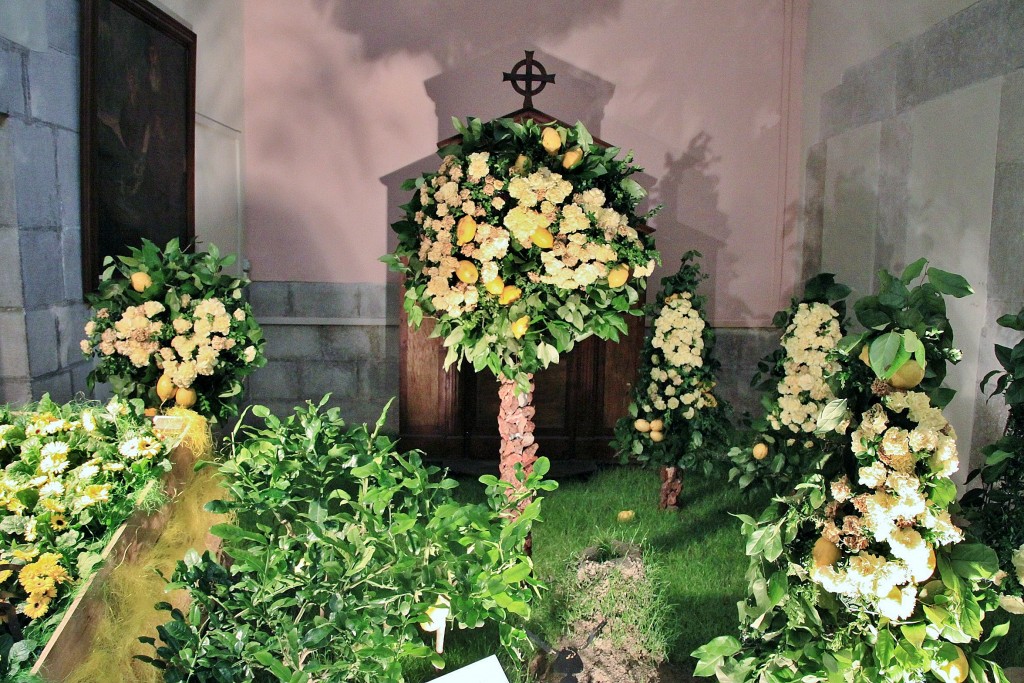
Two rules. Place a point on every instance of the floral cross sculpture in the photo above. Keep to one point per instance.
(523, 242)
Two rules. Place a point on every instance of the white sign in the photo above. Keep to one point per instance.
(485, 671)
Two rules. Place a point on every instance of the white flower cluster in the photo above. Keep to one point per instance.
(679, 336)
(803, 391)
(893, 510)
(1018, 563)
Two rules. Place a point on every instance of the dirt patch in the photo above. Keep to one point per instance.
(606, 645)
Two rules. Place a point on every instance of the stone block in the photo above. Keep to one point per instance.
(739, 350)
(13, 345)
(80, 378)
(292, 342)
(1006, 246)
(894, 152)
(69, 184)
(70, 333)
(274, 381)
(814, 209)
(10, 269)
(1010, 145)
(15, 390)
(71, 263)
(62, 25)
(35, 179)
(57, 385)
(351, 342)
(270, 299)
(372, 300)
(866, 94)
(317, 379)
(378, 382)
(41, 272)
(43, 341)
(325, 300)
(53, 88)
(12, 90)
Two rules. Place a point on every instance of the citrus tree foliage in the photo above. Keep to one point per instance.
(340, 549)
(523, 242)
(674, 416)
(860, 574)
(996, 507)
(70, 475)
(170, 325)
(784, 443)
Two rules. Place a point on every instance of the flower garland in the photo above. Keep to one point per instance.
(524, 241)
(674, 415)
(784, 444)
(171, 325)
(71, 475)
(860, 569)
(897, 507)
(803, 391)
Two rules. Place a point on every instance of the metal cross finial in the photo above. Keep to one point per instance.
(529, 77)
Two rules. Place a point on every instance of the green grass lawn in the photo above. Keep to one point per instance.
(699, 548)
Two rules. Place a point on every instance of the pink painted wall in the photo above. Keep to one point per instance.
(706, 94)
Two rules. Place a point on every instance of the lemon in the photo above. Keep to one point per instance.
(760, 451)
(865, 355)
(543, 238)
(642, 425)
(165, 388)
(908, 376)
(522, 163)
(465, 231)
(495, 286)
(657, 425)
(520, 326)
(550, 140)
(509, 294)
(617, 276)
(467, 272)
(952, 672)
(825, 553)
(141, 281)
(657, 437)
(625, 516)
(572, 158)
(186, 398)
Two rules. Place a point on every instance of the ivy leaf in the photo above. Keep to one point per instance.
(883, 353)
(913, 271)
(973, 561)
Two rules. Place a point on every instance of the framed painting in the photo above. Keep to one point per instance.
(138, 68)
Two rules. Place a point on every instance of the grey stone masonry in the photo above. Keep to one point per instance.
(324, 338)
(41, 308)
(982, 41)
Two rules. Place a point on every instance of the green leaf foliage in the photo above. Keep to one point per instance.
(339, 547)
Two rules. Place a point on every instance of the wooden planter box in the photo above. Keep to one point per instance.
(71, 642)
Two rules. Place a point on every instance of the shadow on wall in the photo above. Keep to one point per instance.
(688, 191)
(456, 30)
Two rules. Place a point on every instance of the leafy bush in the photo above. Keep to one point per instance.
(996, 507)
(341, 547)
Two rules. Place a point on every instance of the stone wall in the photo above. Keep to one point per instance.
(41, 309)
(919, 153)
(327, 338)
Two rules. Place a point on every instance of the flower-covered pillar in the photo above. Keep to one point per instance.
(523, 242)
(675, 420)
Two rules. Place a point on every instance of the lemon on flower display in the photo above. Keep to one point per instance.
(141, 281)
(509, 293)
